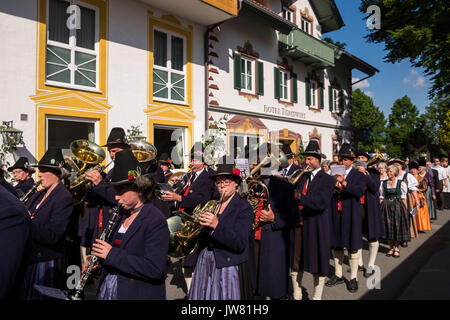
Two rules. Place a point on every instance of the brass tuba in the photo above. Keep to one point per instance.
(185, 229)
(293, 178)
(142, 150)
(378, 157)
(87, 156)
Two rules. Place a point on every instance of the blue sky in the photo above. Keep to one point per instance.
(394, 80)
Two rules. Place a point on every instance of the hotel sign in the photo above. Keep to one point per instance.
(280, 111)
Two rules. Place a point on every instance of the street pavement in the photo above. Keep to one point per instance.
(421, 272)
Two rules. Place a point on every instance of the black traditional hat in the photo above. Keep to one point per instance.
(126, 168)
(53, 159)
(227, 168)
(413, 165)
(346, 151)
(362, 152)
(313, 149)
(396, 160)
(287, 150)
(422, 162)
(23, 164)
(164, 159)
(197, 152)
(117, 138)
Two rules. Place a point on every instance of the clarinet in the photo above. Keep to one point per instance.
(30, 192)
(105, 235)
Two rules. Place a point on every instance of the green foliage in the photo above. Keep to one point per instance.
(403, 122)
(134, 131)
(5, 149)
(341, 45)
(214, 140)
(368, 123)
(419, 31)
(300, 151)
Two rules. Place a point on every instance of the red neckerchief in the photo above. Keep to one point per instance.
(339, 198)
(185, 194)
(362, 200)
(304, 190)
(257, 215)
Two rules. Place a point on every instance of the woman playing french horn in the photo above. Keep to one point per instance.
(223, 242)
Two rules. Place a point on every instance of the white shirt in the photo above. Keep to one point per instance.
(447, 171)
(347, 171)
(197, 174)
(313, 174)
(412, 182)
(287, 170)
(442, 172)
(404, 189)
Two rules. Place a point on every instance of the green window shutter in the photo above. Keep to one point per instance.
(260, 73)
(330, 98)
(321, 95)
(294, 88)
(341, 100)
(237, 71)
(308, 91)
(276, 81)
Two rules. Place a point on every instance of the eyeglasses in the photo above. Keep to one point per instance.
(223, 182)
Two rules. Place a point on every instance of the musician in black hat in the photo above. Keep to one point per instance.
(199, 189)
(373, 222)
(51, 211)
(312, 239)
(291, 169)
(22, 172)
(269, 245)
(345, 217)
(164, 163)
(101, 198)
(223, 243)
(134, 264)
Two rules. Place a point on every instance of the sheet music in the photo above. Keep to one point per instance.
(337, 169)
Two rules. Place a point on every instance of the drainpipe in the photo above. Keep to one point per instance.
(206, 52)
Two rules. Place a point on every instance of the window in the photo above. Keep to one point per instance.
(72, 55)
(306, 25)
(288, 14)
(285, 92)
(169, 67)
(61, 131)
(335, 100)
(170, 140)
(239, 142)
(313, 93)
(247, 67)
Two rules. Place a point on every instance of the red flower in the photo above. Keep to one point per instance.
(130, 177)
(236, 171)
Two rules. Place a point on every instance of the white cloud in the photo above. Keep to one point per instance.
(360, 85)
(414, 79)
(369, 93)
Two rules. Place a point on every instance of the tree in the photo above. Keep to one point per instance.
(403, 122)
(368, 123)
(341, 45)
(416, 30)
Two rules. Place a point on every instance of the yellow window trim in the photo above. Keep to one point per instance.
(44, 110)
(185, 32)
(102, 54)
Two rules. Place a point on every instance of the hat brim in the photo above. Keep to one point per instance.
(313, 154)
(362, 154)
(116, 144)
(350, 156)
(55, 168)
(29, 169)
(225, 174)
(119, 183)
(396, 161)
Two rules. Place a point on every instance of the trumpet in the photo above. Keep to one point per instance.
(294, 177)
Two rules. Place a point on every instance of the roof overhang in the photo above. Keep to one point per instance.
(256, 11)
(328, 15)
(203, 12)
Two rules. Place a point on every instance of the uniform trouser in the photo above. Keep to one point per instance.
(446, 200)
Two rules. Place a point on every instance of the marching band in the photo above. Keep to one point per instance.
(238, 237)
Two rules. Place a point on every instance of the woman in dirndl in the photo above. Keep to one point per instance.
(221, 272)
(393, 193)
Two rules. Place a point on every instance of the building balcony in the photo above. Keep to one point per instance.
(311, 51)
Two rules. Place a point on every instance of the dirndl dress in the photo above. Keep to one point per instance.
(212, 283)
(395, 214)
